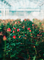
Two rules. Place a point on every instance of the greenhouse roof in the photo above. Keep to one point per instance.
(21, 4)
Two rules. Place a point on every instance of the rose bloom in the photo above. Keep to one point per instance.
(18, 21)
(25, 34)
(38, 35)
(15, 22)
(1, 33)
(14, 28)
(32, 24)
(18, 30)
(14, 37)
(8, 29)
(24, 19)
(28, 28)
(19, 36)
(13, 31)
(4, 38)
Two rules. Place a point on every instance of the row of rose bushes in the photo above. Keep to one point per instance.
(39, 23)
(7, 20)
(21, 39)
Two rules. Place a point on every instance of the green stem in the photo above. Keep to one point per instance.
(9, 42)
(41, 59)
(35, 49)
(4, 50)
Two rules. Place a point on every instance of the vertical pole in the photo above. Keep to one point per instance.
(4, 13)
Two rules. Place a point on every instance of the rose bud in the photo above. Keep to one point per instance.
(1, 33)
(32, 24)
(8, 30)
(24, 19)
(23, 27)
(25, 35)
(28, 28)
(13, 31)
(19, 36)
(18, 21)
(14, 28)
(37, 34)
(42, 24)
(18, 30)
(34, 46)
(4, 38)
(15, 22)
(14, 37)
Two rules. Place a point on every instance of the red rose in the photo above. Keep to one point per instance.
(13, 31)
(8, 29)
(25, 34)
(24, 19)
(28, 28)
(37, 34)
(18, 21)
(18, 30)
(19, 36)
(42, 24)
(32, 24)
(14, 37)
(14, 28)
(1, 33)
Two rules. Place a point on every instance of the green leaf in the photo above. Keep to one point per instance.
(13, 44)
(34, 58)
(18, 43)
(12, 55)
(7, 46)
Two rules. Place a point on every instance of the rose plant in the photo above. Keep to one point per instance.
(21, 39)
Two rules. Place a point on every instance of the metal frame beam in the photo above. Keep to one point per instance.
(41, 4)
(6, 2)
